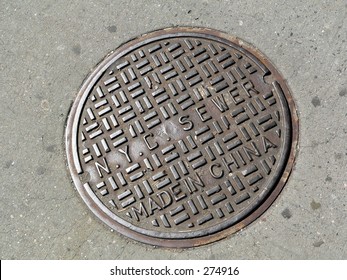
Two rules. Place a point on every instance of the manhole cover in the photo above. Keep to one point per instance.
(181, 137)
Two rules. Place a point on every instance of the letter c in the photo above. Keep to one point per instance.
(213, 170)
(155, 145)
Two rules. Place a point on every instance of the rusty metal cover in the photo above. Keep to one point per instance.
(181, 137)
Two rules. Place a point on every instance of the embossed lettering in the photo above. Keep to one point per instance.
(228, 164)
(103, 167)
(249, 88)
(153, 205)
(249, 152)
(165, 198)
(203, 113)
(267, 144)
(241, 157)
(177, 192)
(185, 120)
(235, 96)
(216, 171)
(155, 145)
(141, 211)
(193, 184)
(220, 103)
(126, 153)
(146, 209)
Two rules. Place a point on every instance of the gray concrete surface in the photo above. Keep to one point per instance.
(48, 47)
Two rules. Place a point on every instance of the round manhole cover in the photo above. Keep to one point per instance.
(181, 137)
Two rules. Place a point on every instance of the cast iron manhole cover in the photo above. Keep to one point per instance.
(181, 137)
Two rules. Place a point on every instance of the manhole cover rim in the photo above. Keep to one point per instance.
(127, 228)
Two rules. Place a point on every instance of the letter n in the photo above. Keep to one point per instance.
(103, 167)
